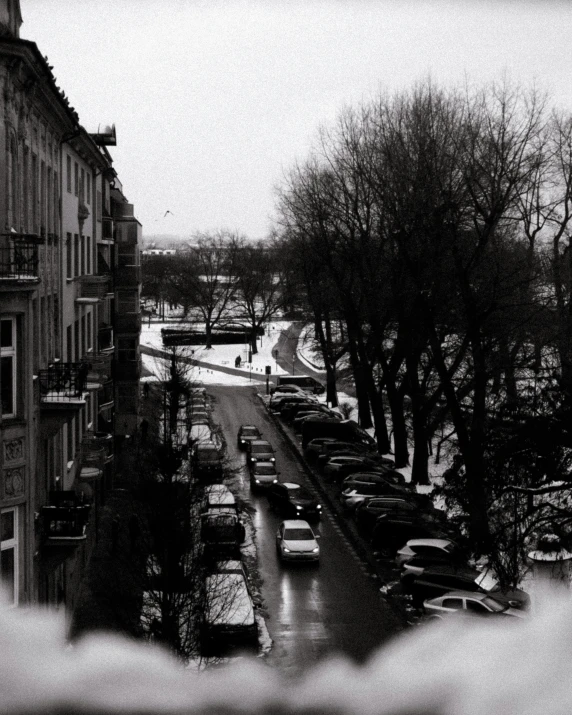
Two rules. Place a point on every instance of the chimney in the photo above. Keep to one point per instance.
(10, 18)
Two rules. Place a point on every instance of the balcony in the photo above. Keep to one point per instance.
(19, 264)
(127, 276)
(65, 520)
(99, 365)
(128, 323)
(62, 385)
(94, 286)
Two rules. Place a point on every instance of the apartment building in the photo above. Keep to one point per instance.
(69, 322)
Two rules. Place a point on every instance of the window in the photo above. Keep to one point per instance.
(76, 254)
(9, 554)
(69, 173)
(35, 193)
(82, 256)
(69, 256)
(126, 349)
(88, 254)
(88, 188)
(98, 206)
(127, 302)
(8, 366)
(76, 179)
(456, 603)
(82, 185)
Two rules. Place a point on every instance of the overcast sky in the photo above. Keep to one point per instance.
(214, 101)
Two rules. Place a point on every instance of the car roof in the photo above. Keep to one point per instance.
(475, 595)
(438, 543)
(260, 442)
(295, 524)
(463, 572)
(249, 427)
(264, 464)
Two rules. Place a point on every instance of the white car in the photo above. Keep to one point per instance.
(229, 609)
(438, 549)
(295, 541)
(469, 603)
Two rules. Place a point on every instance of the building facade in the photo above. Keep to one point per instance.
(69, 327)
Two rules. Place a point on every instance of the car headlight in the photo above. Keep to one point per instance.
(315, 551)
(318, 506)
(274, 481)
(272, 459)
(286, 551)
(257, 481)
(298, 508)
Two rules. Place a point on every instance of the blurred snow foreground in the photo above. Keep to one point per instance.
(458, 667)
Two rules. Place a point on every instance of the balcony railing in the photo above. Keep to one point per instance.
(63, 383)
(94, 286)
(19, 262)
(105, 338)
(65, 520)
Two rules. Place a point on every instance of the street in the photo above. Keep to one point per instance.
(313, 611)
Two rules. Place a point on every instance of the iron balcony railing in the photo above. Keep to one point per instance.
(63, 382)
(94, 286)
(19, 262)
(65, 519)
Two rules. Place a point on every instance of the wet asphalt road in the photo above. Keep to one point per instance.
(312, 611)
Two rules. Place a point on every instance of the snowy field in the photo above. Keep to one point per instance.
(220, 356)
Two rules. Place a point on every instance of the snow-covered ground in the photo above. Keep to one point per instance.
(220, 355)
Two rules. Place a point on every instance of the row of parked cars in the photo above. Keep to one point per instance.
(392, 517)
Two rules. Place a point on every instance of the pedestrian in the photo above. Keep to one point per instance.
(146, 389)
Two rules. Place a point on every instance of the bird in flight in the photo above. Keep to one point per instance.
(168, 212)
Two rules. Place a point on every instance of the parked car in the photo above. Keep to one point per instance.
(262, 475)
(200, 417)
(366, 513)
(295, 541)
(294, 500)
(200, 434)
(314, 447)
(218, 496)
(340, 466)
(286, 390)
(207, 462)
(246, 433)
(339, 449)
(306, 382)
(288, 412)
(277, 402)
(469, 603)
(222, 532)
(438, 580)
(392, 529)
(299, 420)
(259, 450)
(356, 491)
(229, 608)
(346, 430)
(427, 551)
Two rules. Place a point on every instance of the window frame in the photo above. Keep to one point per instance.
(12, 544)
(11, 351)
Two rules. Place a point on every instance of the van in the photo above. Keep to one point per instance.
(306, 382)
(207, 462)
(344, 430)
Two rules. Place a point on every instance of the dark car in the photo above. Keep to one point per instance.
(340, 466)
(393, 529)
(438, 580)
(298, 421)
(340, 448)
(246, 433)
(358, 488)
(366, 514)
(259, 450)
(207, 463)
(222, 532)
(278, 402)
(289, 412)
(314, 447)
(293, 500)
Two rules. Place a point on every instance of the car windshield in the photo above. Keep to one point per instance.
(487, 581)
(257, 448)
(265, 470)
(249, 432)
(298, 534)
(493, 605)
(208, 454)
